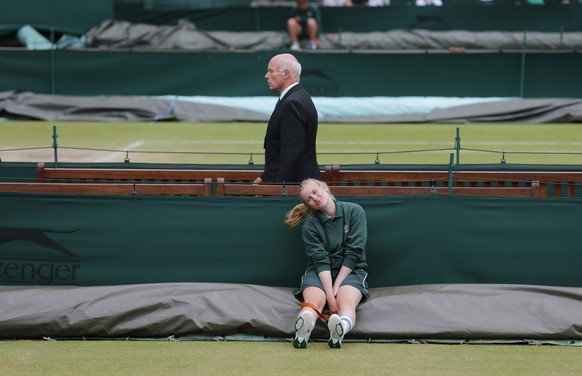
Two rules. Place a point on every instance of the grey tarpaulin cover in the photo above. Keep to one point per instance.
(444, 311)
(116, 108)
(26, 105)
(184, 35)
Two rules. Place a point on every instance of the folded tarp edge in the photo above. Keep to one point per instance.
(440, 311)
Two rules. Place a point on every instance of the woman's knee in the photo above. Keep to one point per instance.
(348, 297)
(314, 295)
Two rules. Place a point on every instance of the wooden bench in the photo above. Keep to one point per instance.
(247, 189)
(556, 184)
(236, 189)
(464, 182)
(560, 184)
(177, 189)
(107, 175)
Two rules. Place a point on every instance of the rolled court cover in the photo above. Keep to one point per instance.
(32, 106)
(438, 312)
(184, 35)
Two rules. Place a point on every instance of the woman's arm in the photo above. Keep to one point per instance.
(343, 273)
(355, 247)
(325, 278)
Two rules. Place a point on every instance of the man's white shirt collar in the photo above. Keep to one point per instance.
(286, 90)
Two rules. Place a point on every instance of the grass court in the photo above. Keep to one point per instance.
(237, 143)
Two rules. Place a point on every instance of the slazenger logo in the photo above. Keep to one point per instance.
(21, 269)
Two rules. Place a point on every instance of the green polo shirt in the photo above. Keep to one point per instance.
(333, 242)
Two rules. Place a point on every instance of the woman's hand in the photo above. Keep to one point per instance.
(332, 304)
(336, 287)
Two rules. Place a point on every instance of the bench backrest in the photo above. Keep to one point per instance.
(236, 189)
(66, 175)
(176, 189)
(551, 183)
(105, 175)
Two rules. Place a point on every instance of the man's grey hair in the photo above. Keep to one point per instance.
(292, 65)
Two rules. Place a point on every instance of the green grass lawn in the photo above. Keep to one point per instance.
(237, 143)
(30, 358)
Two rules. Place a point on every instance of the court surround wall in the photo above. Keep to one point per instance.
(121, 72)
(95, 240)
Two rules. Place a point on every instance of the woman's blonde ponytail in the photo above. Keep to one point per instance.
(296, 215)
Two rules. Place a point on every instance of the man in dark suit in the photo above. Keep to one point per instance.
(290, 154)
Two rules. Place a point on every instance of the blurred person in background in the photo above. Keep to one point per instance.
(349, 3)
(422, 3)
(336, 3)
(303, 23)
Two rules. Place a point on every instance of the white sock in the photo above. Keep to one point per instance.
(346, 324)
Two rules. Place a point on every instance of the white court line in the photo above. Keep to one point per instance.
(115, 156)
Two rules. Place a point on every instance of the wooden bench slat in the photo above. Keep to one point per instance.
(145, 175)
(397, 175)
(233, 189)
(110, 188)
(229, 189)
(49, 174)
(67, 188)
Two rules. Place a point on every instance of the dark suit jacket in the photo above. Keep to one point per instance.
(290, 154)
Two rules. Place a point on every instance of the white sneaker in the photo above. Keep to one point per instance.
(295, 46)
(303, 327)
(336, 332)
(312, 46)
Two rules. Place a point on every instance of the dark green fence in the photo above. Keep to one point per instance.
(528, 75)
(497, 74)
(93, 240)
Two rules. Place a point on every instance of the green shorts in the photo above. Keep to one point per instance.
(358, 278)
